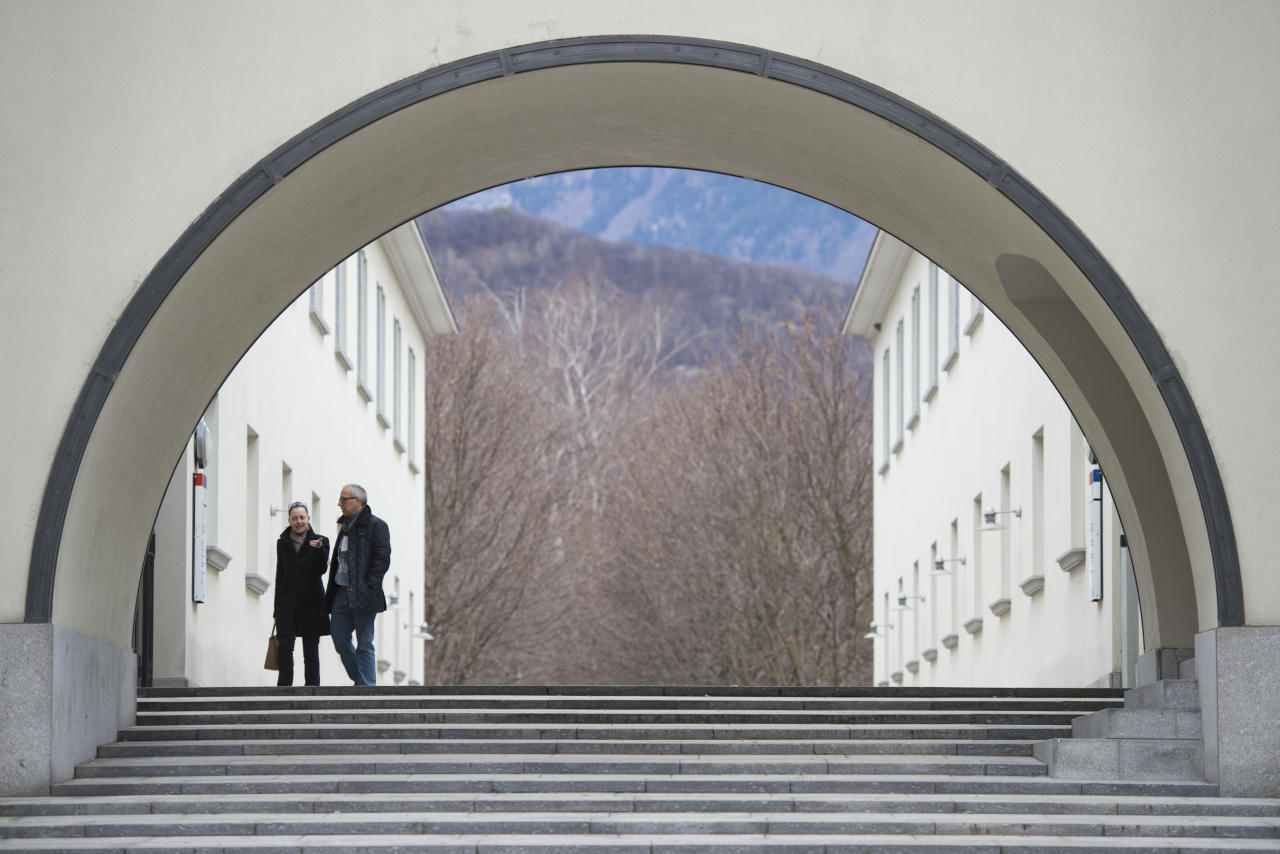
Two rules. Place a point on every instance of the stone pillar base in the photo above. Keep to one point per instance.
(61, 695)
(1240, 708)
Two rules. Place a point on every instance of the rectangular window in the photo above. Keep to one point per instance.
(953, 351)
(975, 316)
(897, 445)
(251, 502)
(362, 323)
(381, 357)
(885, 436)
(395, 382)
(411, 433)
(340, 314)
(933, 332)
(1037, 503)
(915, 358)
(316, 304)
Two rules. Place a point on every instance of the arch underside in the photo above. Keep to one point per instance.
(588, 103)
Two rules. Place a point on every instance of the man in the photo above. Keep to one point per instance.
(361, 557)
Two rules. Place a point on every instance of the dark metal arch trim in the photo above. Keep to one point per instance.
(809, 75)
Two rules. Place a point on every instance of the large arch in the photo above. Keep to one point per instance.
(604, 102)
(863, 106)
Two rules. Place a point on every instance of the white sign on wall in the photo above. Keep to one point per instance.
(1094, 515)
(199, 532)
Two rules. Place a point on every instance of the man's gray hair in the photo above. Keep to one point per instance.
(357, 491)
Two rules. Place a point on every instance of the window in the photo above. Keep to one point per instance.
(954, 336)
(340, 314)
(976, 314)
(381, 344)
(885, 435)
(362, 322)
(933, 332)
(316, 304)
(395, 383)
(897, 445)
(915, 358)
(411, 434)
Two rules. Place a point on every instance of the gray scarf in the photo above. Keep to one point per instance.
(341, 576)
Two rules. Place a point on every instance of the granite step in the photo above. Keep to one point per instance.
(1165, 694)
(402, 717)
(1139, 723)
(907, 784)
(300, 703)
(658, 824)
(287, 747)
(469, 764)
(643, 844)
(624, 802)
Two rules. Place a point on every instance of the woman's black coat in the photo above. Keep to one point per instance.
(300, 609)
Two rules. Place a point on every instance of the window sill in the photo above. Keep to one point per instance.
(216, 558)
(897, 446)
(382, 419)
(413, 467)
(951, 359)
(1032, 585)
(343, 359)
(884, 469)
(930, 654)
(319, 322)
(973, 626)
(951, 641)
(364, 391)
(256, 583)
(1000, 607)
(399, 446)
(1071, 559)
(915, 419)
(931, 391)
(973, 322)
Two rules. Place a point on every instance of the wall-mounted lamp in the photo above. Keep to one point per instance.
(989, 515)
(875, 631)
(393, 602)
(423, 633)
(940, 568)
(902, 602)
(275, 509)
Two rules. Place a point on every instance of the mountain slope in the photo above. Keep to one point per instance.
(721, 214)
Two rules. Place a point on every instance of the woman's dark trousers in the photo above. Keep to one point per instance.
(310, 659)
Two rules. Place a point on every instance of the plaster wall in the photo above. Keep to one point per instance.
(973, 446)
(1092, 103)
(302, 403)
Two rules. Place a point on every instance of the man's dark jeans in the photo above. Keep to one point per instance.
(360, 661)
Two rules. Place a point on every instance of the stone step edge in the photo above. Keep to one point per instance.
(630, 691)
(389, 819)
(648, 843)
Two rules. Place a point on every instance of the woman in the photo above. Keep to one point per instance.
(302, 558)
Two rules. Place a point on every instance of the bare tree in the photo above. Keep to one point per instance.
(488, 498)
(742, 529)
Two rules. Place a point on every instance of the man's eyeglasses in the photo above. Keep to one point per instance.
(348, 498)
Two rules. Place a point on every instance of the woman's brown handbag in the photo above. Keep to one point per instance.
(272, 662)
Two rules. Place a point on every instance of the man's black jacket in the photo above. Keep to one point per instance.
(368, 558)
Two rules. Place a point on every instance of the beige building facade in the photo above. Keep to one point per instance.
(326, 396)
(966, 422)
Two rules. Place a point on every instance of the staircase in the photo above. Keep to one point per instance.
(488, 770)
(1156, 736)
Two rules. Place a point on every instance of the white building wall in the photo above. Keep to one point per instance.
(294, 423)
(994, 433)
